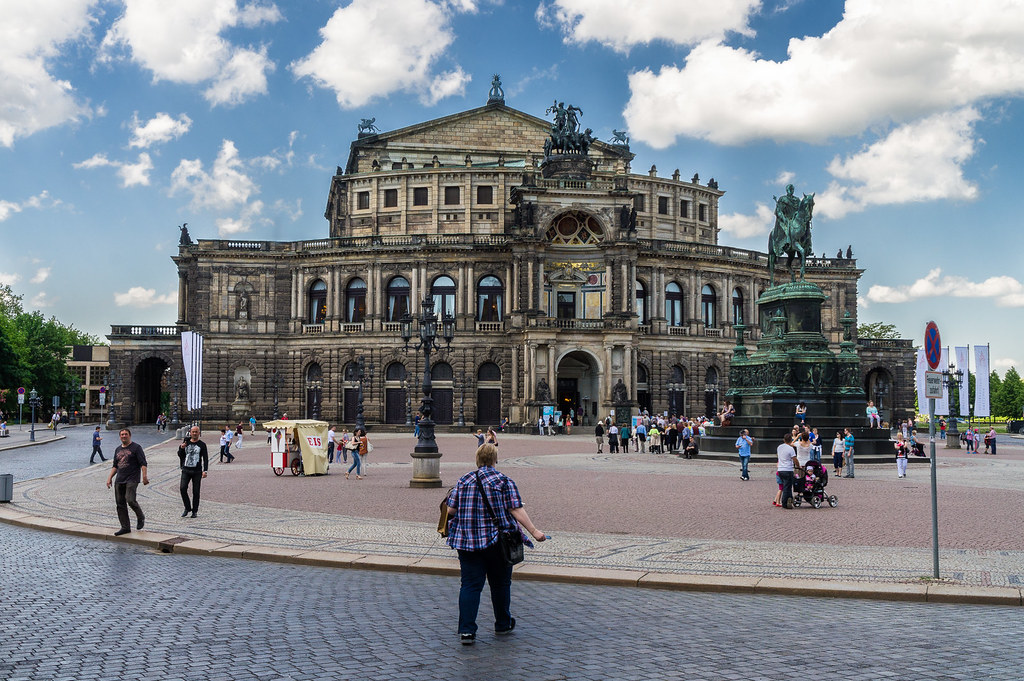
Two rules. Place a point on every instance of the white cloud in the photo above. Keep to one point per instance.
(137, 296)
(1004, 291)
(159, 129)
(131, 174)
(42, 299)
(293, 212)
(181, 42)
(1005, 363)
(9, 278)
(371, 48)
(31, 34)
(883, 63)
(250, 215)
(447, 84)
(9, 208)
(920, 161)
(41, 275)
(620, 24)
(278, 158)
(225, 187)
(784, 178)
(744, 226)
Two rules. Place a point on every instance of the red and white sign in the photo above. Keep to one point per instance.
(932, 345)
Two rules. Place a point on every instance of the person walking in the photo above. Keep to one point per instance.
(624, 438)
(599, 436)
(194, 462)
(346, 438)
(848, 453)
(225, 445)
(130, 467)
(483, 504)
(491, 437)
(743, 444)
(787, 457)
(358, 439)
(252, 424)
(613, 439)
(96, 439)
(990, 441)
(901, 456)
(238, 436)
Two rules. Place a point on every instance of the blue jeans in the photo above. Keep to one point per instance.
(744, 461)
(357, 463)
(476, 566)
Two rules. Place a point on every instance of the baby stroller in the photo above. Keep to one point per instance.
(813, 485)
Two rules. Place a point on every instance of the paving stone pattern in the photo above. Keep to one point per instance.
(88, 610)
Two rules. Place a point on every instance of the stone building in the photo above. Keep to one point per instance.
(565, 272)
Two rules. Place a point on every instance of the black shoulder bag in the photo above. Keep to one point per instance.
(509, 541)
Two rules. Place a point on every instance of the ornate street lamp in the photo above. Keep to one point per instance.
(426, 460)
(35, 403)
(953, 376)
(462, 398)
(408, 401)
(364, 372)
(275, 383)
(111, 382)
(175, 423)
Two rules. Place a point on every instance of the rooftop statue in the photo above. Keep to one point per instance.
(566, 137)
(184, 239)
(620, 138)
(496, 94)
(792, 233)
(367, 127)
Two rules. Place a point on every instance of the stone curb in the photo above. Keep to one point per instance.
(925, 592)
(58, 438)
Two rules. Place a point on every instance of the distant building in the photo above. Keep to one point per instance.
(91, 364)
(565, 275)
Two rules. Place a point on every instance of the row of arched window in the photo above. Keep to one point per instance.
(489, 297)
(489, 372)
(674, 305)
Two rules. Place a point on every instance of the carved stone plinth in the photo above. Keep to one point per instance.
(568, 166)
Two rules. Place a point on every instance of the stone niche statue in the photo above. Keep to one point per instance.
(543, 391)
(243, 305)
(242, 390)
(619, 393)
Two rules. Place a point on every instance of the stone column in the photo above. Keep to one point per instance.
(608, 286)
(529, 284)
(552, 374)
(540, 284)
(515, 375)
(182, 312)
(506, 302)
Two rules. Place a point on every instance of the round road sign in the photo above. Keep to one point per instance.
(932, 345)
(21, 391)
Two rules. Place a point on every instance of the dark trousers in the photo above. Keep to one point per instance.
(96, 450)
(476, 566)
(124, 496)
(330, 452)
(195, 476)
(225, 450)
(787, 486)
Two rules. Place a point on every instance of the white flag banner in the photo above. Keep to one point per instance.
(982, 371)
(942, 405)
(963, 364)
(192, 358)
(922, 366)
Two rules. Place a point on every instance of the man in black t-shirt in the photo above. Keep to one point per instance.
(195, 462)
(129, 466)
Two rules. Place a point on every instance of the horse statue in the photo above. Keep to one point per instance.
(620, 138)
(792, 233)
(366, 125)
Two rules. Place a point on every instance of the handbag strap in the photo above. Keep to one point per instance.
(487, 504)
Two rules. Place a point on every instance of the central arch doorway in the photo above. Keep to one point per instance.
(150, 389)
(577, 381)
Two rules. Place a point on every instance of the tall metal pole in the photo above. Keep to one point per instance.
(935, 499)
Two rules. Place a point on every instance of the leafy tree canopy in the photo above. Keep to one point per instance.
(878, 330)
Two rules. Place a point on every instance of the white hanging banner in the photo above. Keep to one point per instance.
(963, 363)
(922, 366)
(192, 359)
(981, 397)
(942, 404)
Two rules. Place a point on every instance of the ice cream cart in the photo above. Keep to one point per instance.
(300, 445)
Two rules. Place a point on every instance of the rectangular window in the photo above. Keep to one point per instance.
(638, 203)
(391, 198)
(452, 196)
(663, 205)
(363, 200)
(566, 305)
(485, 195)
(702, 213)
(684, 209)
(420, 196)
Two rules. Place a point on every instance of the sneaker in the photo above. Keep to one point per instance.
(503, 632)
(121, 531)
(142, 523)
(467, 639)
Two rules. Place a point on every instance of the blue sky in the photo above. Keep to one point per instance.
(121, 120)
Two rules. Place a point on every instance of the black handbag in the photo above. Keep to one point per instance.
(509, 541)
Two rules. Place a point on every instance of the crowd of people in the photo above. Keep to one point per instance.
(656, 434)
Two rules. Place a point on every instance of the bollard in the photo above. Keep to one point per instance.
(6, 487)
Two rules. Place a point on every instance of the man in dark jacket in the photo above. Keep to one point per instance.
(195, 462)
(130, 467)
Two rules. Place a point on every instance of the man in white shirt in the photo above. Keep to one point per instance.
(330, 445)
(787, 457)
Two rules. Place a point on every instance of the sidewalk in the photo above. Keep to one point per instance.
(20, 438)
(637, 519)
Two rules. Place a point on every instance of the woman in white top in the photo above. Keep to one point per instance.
(837, 454)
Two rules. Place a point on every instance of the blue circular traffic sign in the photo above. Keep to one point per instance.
(21, 391)
(932, 345)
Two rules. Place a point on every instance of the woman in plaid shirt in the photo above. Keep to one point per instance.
(473, 533)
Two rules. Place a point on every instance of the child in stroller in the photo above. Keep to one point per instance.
(812, 486)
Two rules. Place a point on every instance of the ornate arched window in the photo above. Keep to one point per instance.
(355, 301)
(442, 371)
(443, 292)
(708, 303)
(488, 372)
(395, 372)
(489, 293)
(317, 302)
(314, 374)
(641, 303)
(674, 304)
(641, 373)
(737, 307)
(575, 228)
(398, 299)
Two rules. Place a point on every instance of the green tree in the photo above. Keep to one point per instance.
(995, 385)
(877, 330)
(1011, 394)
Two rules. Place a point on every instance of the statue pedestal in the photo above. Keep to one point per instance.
(240, 409)
(569, 166)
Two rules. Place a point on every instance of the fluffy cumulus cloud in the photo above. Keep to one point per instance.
(371, 48)
(138, 296)
(1005, 291)
(183, 42)
(32, 98)
(9, 278)
(227, 187)
(41, 275)
(157, 130)
(42, 299)
(745, 226)
(9, 208)
(884, 63)
(620, 24)
(920, 161)
(131, 174)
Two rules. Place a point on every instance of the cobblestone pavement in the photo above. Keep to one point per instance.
(636, 512)
(88, 610)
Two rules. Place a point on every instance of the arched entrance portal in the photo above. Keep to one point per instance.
(578, 386)
(150, 391)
